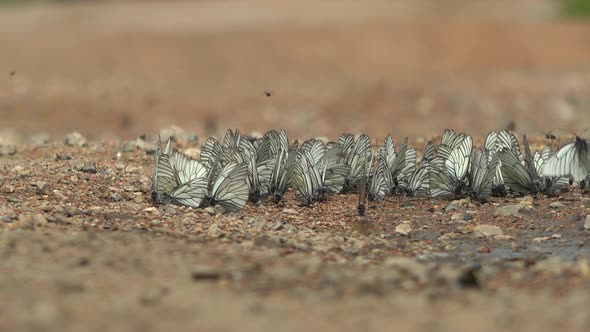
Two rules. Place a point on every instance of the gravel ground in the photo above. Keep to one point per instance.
(83, 247)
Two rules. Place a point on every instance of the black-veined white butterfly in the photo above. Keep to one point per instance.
(572, 159)
(448, 177)
(178, 179)
(378, 187)
(357, 160)
(481, 175)
(229, 189)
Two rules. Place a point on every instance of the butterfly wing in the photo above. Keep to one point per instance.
(230, 189)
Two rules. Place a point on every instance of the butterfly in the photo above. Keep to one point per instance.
(356, 158)
(572, 159)
(229, 188)
(306, 178)
(448, 177)
(481, 175)
(377, 187)
(178, 178)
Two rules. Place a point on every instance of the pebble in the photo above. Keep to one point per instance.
(540, 239)
(209, 210)
(545, 238)
(115, 197)
(61, 219)
(587, 222)
(509, 210)
(278, 226)
(556, 205)
(503, 237)
(290, 211)
(206, 273)
(75, 139)
(156, 222)
(403, 229)
(131, 169)
(170, 209)
(130, 146)
(460, 216)
(213, 230)
(220, 209)
(585, 201)
(7, 149)
(89, 167)
(487, 230)
(43, 188)
(454, 205)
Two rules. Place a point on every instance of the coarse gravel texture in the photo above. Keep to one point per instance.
(83, 248)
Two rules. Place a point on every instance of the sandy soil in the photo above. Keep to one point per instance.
(82, 248)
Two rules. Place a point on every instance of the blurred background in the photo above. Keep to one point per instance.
(316, 68)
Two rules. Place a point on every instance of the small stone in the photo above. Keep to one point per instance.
(130, 146)
(170, 209)
(43, 188)
(487, 230)
(403, 229)
(89, 167)
(509, 210)
(462, 216)
(484, 250)
(7, 149)
(156, 222)
(61, 219)
(115, 197)
(290, 211)
(540, 239)
(75, 139)
(355, 243)
(213, 230)
(21, 171)
(62, 157)
(206, 273)
(454, 205)
(587, 222)
(131, 169)
(209, 210)
(585, 201)
(556, 205)
(278, 226)
(220, 209)
(503, 237)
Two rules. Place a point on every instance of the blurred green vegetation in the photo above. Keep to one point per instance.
(18, 2)
(576, 8)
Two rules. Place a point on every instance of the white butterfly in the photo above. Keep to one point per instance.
(230, 189)
(572, 159)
